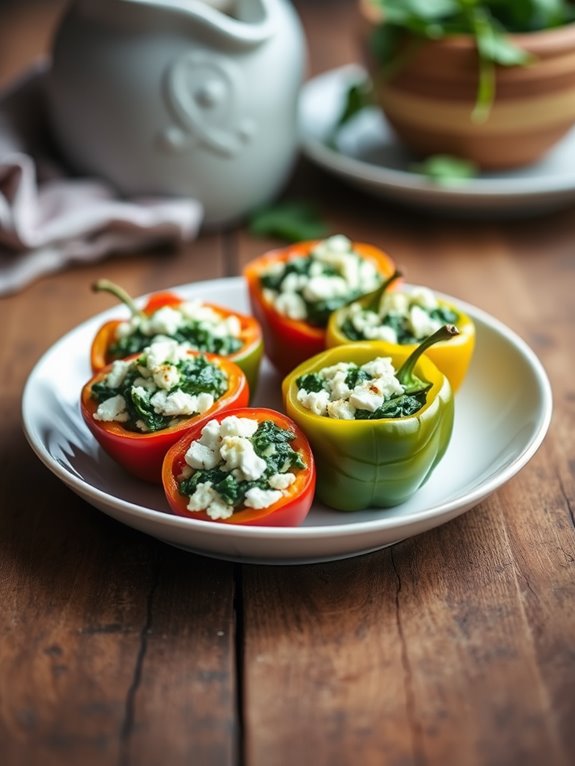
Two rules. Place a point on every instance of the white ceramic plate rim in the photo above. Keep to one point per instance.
(479, 188)
(438, 511)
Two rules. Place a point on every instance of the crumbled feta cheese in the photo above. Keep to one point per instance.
(238, 452)
(293, 282)
(226, 445)
(261, 498)
(335, 369)
(112, 409)
(199, 455)
(333, 272)
(210, 434)
(420, 323)
(394, 302)
(203, 402)
(166, 376)
(205, 498)
(424, 297)
(179, 404)
(363, 399)
(127, 328)
(341, 409)
(338, 387)
(234, 426)
(316, 401)
(145, 383)
(162, 351)
(117, 374)
(281, 480)
(339, 400)
(291, 305)
(165, 321)
(323, 288)
(338, 243)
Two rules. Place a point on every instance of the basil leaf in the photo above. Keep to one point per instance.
(290, 221)
(445, 169)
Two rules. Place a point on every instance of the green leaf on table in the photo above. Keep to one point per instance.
(445, 169)
(359, 95)
(291, 221)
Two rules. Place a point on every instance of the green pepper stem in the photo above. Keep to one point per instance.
(405, 373)
(104, 285)
(372, 304)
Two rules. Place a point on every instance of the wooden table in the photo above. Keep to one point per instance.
(455, 647)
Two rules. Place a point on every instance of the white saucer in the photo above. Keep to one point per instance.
(502, 414)
(369, 156)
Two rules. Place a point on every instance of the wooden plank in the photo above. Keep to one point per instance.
(114, 648)
(443, 670)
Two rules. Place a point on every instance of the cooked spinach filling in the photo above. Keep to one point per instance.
(311, 287)
(400, 324)
(196, 375)
(358, 380)
(271, 443)
(317, 312)
(396, 407)
(193, 333)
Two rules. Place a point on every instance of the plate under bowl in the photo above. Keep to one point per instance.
(368, 155)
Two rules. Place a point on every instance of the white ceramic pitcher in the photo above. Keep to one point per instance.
(190, 98)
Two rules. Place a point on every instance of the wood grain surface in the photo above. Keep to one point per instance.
(453, 648)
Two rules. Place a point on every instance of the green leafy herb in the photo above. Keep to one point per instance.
(311, 381)
(445, 169)
(291, 221)
(397, 407)
(489, 22)
(358, 96)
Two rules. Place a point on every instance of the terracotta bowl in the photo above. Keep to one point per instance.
(429, 98)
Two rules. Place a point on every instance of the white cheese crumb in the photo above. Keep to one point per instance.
(117, 374)
(316, 401)
(238, 452)
(199, 456)
(291, 305)
(112, 409)
(165, 321)
(338, 400)
(281, 480)
(261, 498)
(234, 426)
(205, 498)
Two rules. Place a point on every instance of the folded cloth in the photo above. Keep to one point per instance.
(49, 218)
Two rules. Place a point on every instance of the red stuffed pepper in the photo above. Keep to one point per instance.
(203, 326)
(244, 466)
(294, 290)
(138, 407)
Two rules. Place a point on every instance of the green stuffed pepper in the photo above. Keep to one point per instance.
(378, 424)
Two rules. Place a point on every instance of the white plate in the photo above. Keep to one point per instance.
(370, 157)
(502, 414)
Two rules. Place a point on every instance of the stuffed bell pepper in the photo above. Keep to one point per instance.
(402, 319)
(138, 407)
(199, 325)
(378, 424)
(294, 290)
(246, 466)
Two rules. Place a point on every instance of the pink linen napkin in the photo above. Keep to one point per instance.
(48, 218)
